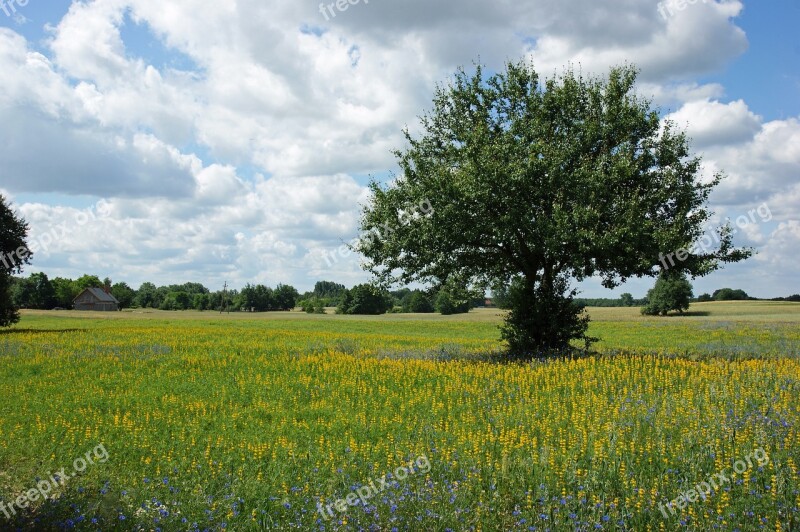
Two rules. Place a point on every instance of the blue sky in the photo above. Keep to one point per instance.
(767, 76)
(234, 143)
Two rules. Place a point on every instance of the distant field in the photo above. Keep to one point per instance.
(259, 421)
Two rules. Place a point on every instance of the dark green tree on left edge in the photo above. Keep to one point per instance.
(14, 254)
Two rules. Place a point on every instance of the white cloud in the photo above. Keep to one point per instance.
(779, 252)
(710, 123)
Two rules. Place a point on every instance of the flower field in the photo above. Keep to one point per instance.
(264, 423)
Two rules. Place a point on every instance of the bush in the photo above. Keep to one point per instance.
(312, 305)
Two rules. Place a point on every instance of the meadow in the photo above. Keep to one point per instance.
(279, 421)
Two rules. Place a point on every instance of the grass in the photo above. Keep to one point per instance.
(248, 422)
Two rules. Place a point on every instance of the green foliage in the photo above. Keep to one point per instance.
(418, 302)
(286, 297)
(87, 281)
(35, 292)
(609, 302)
(312, 305)
(452, 299)
(124, 294)
(365, 299)
(627, 300)
(704, 298)
(14, 254)
(65, 290)
(328, 292)
(179, 300)
(794, 298)
(544, 180)
(201, 302)
(258, 298)
(500, 296)
(672, 291)
(146, 296)
(729, 294)
(543, 319)
(9, 314)
(401, 298)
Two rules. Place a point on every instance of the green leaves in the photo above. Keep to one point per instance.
(672, 291)
(14, 254)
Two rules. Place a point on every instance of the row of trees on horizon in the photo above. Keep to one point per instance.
(39, 292)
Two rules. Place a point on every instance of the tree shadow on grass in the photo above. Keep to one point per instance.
(9, 332)
(687, 314)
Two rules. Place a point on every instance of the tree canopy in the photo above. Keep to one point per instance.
(14, 254)
(541, 182)
(730, 294)
(671, 292)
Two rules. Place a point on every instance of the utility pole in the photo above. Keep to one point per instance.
(224, 304)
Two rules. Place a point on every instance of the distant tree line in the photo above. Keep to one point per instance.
(725, 294)
(370, 299)
(501, 298)
(794, 298)
(730, 294)
(40, 292)
(625, 300)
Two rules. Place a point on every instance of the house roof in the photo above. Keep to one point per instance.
(100, 295)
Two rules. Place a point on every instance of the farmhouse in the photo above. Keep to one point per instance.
(96, 299)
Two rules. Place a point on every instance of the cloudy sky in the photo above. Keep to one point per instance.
(232, 141)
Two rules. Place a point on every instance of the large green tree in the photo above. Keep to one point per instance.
(285, 297)
(124, 294)
(672, 291)
(147, 296)
(14, 254)
(418, 302)
(537, 183)
(66, 290)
